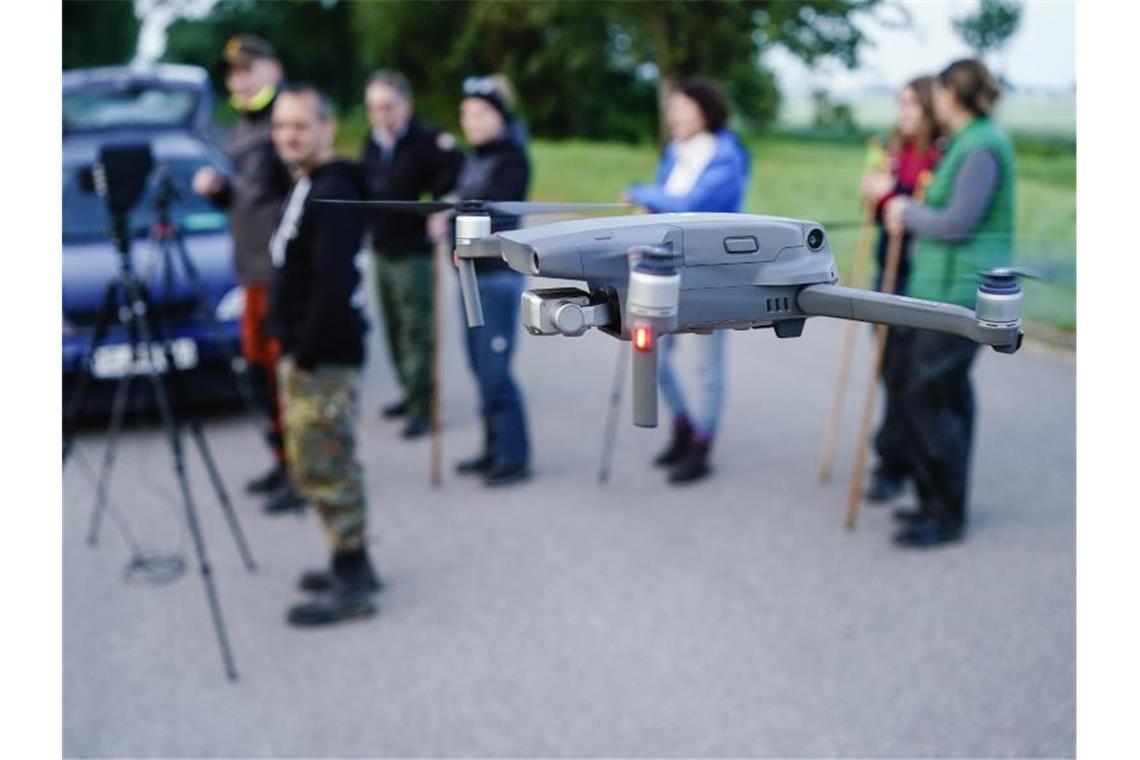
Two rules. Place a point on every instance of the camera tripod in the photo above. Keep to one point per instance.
(127, 302)
(168, 245)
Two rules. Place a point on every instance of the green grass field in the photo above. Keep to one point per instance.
(814, 179)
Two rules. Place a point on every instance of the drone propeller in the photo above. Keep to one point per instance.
(477, 207)
(1048, 273)
(472, 224)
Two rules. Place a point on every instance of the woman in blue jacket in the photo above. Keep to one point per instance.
(704, 168)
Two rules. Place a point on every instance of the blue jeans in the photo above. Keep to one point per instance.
(489, 350)
(708, 359)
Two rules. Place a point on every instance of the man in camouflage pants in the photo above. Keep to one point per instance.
(322, 340)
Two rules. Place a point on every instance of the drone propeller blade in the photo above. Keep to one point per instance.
(1050, 273)
(406, 207)
(523, 208)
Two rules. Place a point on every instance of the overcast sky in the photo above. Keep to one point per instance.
(1041, 54)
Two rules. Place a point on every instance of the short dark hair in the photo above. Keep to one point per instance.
(391, 78)
(709, 97)
(325, 107)
(972, 84)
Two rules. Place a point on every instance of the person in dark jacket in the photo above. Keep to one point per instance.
(404, 159)
(252, 195)
(322, 342)
(497, 169)
(964, 226)
(913, 153)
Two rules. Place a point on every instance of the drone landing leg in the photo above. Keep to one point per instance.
(611, 416)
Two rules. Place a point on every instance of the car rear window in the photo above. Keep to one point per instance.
(134, 105)
(85, 214)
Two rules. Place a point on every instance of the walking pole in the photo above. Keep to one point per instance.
(874, 160)
(890, 273)
(436, 357)
(855, 492)
(858, 273)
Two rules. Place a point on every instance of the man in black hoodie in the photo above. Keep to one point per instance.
(404, 159)
(322, 342)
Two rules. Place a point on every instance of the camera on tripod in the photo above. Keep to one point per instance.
(120, 178)
(151, 356)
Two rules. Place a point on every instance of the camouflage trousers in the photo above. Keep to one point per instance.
(319, 410)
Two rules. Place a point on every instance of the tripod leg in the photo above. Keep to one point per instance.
(79, 394)
(223, 496)
(142, 315)
(118, 411)
(175, 376)
(611, 417)
(249, 400)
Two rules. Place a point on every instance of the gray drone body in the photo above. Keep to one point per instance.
(700, 272)
(737, 271)
(651, 275)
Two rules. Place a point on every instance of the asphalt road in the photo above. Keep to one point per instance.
(734, 617)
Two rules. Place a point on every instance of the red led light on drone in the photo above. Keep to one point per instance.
(642, 338)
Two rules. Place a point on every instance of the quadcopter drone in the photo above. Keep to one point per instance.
(653, 274)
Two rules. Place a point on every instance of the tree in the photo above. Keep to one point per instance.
(582, 69)
(99, 33)
(988, 30)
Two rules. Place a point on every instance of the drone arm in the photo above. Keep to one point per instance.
(883, 308)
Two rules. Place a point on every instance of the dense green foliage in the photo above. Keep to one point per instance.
(571, 61)
(98, 33)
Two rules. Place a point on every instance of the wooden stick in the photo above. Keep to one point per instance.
(859, 268)
(435, 467)
(855, 492)
(890, 275)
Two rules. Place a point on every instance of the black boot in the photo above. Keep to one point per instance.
(323, 580)
(678, 445)
(284, 500)
(348, 596)
(930, 531)
(397, 409)
(481, 464)
(502, 474)
(694, 465)
(909, 516)
(269, 481)
(416, 427)
(884, 487)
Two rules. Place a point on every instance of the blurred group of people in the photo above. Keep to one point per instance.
(945, 191)
(303, 330)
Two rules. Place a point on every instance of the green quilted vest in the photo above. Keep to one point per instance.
(949, 271)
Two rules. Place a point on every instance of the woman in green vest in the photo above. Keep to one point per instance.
(964, 227)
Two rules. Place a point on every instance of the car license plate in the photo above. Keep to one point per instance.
(116, 361)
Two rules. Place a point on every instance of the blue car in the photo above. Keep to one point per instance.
(167, 107)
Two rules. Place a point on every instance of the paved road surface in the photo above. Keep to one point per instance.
(735, 617)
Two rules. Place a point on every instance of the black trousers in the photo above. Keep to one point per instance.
(890, 441)
(931, 432)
